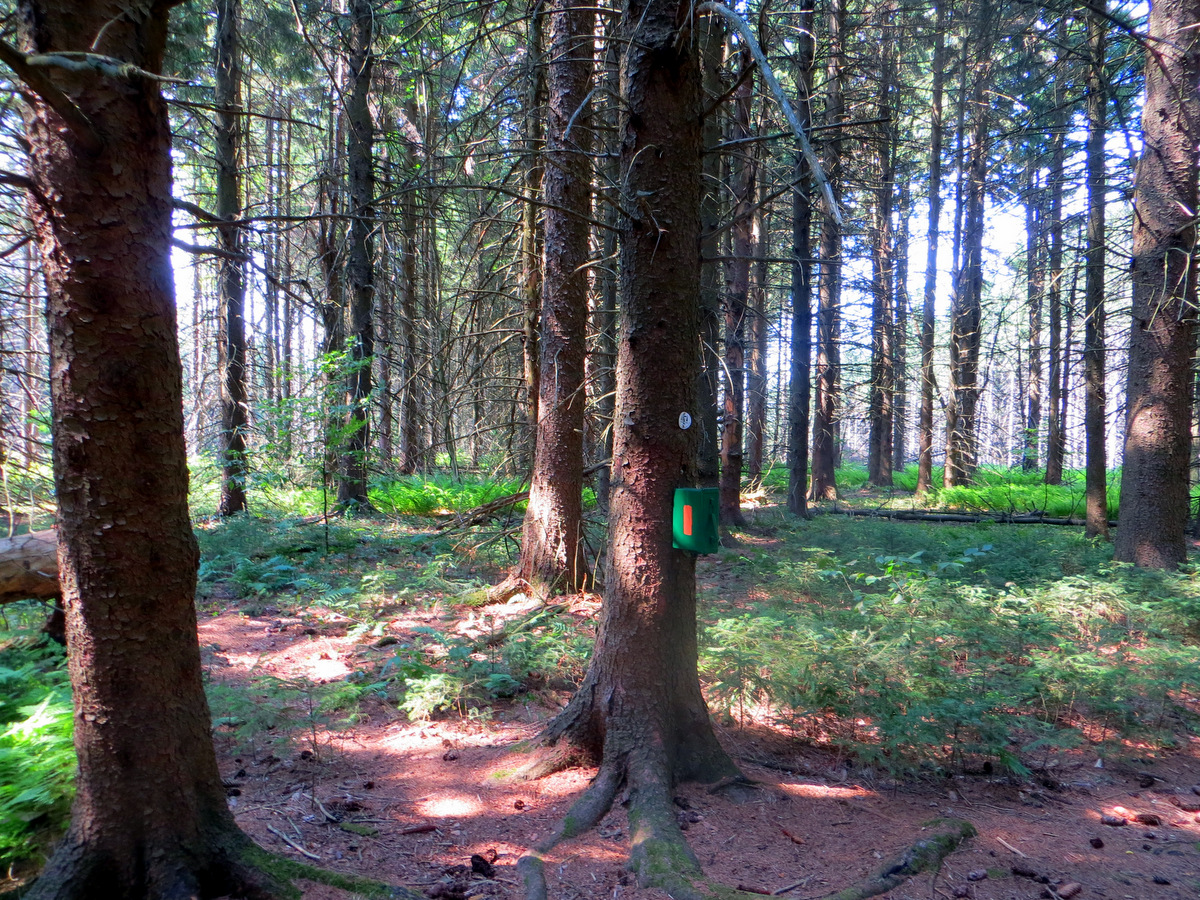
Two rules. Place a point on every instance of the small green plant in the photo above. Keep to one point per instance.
(37, 757)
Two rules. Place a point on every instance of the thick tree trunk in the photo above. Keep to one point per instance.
(639, 710)
(360, 262)
(800, 395)
(928, 309)
(411, 390)
(231, 279)
(551, 551)
(1152, 528)
(150, 817)
(1096, 482)
(824, 451)
(737, 294)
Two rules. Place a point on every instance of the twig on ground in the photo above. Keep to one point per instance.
(291, 843)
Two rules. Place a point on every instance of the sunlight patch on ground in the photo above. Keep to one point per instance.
(826, 792)
(449, 807)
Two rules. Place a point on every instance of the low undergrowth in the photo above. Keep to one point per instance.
(37, 758)
(955, 646)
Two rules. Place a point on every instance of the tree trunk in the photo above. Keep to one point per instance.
(903, 306)
(824, 452)
(712, 47)
(639, 710)
(880, 414)
(737, 293)
(1096, 482)
(962, 439)
(231, 279)
(150, 817)
(800, 395)
(531, 226)
(1035, 285)
(756, 370)
(1152, 528)
(551, 552)
(928, 309)
(1055, 428)
(360, 262)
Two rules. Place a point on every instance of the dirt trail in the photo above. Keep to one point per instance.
(406, 802)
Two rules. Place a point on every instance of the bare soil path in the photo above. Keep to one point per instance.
(416, 803)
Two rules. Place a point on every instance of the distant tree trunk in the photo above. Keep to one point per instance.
(360, 262)
(551, 552)
(231, 279)
(824, 453)
(1096, 482)
(881, 418)
(639, 711)
(1154, 487)
(1035, 286)
(902, 304)
(410, 305)
(928, 309)
(737, 293)
(150, 816)
(962, 439)
(800, 395)
(756, 373)
(531, 227)
(712, 46)
(1056, 431)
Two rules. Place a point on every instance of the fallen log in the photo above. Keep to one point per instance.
(29, 566)
(915, 515)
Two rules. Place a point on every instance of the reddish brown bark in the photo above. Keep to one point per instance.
(639, 710)
(551, 552)
(150, 817)
(1154, 484)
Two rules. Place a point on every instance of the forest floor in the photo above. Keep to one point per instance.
(412, 802)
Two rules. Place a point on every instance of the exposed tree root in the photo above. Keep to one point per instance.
(660, 856)
(241, 869)
(925, 855)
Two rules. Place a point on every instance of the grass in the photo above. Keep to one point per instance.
(911, 645)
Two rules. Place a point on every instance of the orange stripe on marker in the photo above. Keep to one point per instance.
(687, 520)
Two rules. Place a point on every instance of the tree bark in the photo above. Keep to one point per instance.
(737, 294)
(639, 710)
(800, 395)
(231, 278)
(928, 309)
(1096, 479)
(1055, 426)
(756, 369)
(712, 47)
(1035, 286)
(881, 412)
(1152, 530)
(551, 551)
(360, 261)
(531, 226)
(824, 452)
(150, 817)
